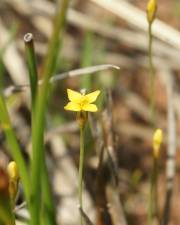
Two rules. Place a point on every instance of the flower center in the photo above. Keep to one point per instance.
(83, 102)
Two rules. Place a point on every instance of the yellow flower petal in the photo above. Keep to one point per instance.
(74, 96)
(92, 96)
(90, 107)
(72, 106)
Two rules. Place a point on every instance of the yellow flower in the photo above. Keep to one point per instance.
(157, 141)
(80, 102)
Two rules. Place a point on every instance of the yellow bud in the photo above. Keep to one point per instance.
(151, 10)
(157, 141)
(13, 174)
(12, 171)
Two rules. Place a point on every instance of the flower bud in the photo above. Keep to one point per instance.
(151, 10)
(13, 174)
(12, 171)
(157, 141)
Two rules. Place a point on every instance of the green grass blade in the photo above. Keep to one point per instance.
(87, 56)
(32, 68)
(12, 31)
(14, 147)
(38, 130)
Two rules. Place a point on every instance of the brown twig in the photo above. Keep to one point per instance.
(86, 218)
(112, 197)
(73, 73)
(114, 206)
(108, 134)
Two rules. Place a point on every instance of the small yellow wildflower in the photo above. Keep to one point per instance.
(157, 141)
(151, 10)
(80, 102)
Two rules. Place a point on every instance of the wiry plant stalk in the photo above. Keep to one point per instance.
(81, 163)
(153, 182)
(151, 14)
(152, 76)
(153, 206)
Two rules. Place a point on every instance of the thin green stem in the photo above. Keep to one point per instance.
(12, 204)
(153, 186)
(81, 164)
(152, 76)
(41, 102)
(156, 196)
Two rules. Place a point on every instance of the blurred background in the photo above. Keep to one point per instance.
(98, 32)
